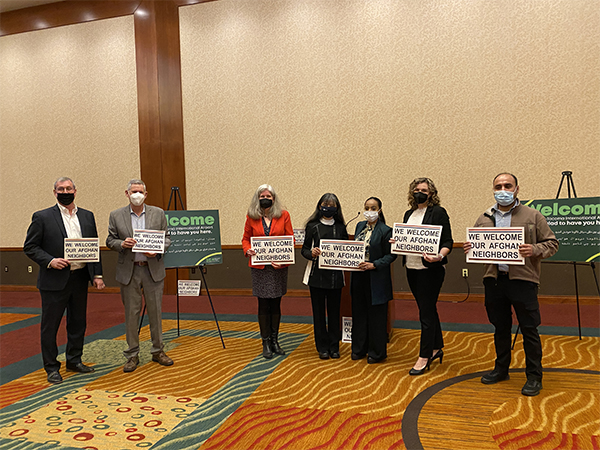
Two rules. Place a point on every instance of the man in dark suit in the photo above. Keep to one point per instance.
(62, 284)
(139, 272)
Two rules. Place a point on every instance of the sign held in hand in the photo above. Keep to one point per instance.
(495, 245)
(149, 241)
(82, 250)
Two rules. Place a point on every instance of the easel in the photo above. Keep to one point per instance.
(175, 194)
(568, 176)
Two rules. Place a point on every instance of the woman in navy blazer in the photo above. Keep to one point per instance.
(426, 274)
(371, 287)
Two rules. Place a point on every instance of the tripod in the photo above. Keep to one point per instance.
(176, 194)
(567, 176)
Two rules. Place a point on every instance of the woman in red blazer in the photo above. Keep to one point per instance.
(269, 282)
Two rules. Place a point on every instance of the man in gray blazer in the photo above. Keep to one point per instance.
(136, 271)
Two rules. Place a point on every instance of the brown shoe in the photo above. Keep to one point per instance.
(131, 364)
(162, 359)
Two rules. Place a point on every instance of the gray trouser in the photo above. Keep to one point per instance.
(131, 295)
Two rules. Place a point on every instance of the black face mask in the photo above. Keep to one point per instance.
(266, 203)
(328, 211)
(65, 198)
(420, 197)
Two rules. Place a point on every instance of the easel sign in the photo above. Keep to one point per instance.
(341, 255)
(188, 288)
(273, 249)
(149, 241)
(84, 250)
(496, 245)
(416, 239)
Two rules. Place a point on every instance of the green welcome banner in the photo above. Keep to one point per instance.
(576, 224)
(195, 238)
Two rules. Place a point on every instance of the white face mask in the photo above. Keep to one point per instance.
(371, 216)
(137, 198)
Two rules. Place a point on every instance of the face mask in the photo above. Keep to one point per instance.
(371, 216)
(504, 198)
(137, 198)
(420, 197)
(328, 211)
(65, 198)
(266, 203)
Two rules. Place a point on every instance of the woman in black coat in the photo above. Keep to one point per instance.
(371, 287)
(327, 222)
(426, 274)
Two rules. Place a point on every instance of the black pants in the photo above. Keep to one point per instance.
(522, 295)
(269, 316)
(425, 286)
(73, 298)
(369, 322)
(326, 326)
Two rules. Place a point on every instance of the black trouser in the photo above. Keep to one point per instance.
(369, 322)
(522, 295)
(327, 326)
(269, 316)
(425, 286)
(73, 298)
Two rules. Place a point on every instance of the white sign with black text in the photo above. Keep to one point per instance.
(149, 241)
(341, 255)
(188, 288)
(495, 245)
(272, 249)
(82, 250)
(346, 329)
(416, 239)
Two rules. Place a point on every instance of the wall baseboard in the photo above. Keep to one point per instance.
(398, 295)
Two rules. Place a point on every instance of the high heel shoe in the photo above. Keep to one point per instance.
(439, 354)
(414, 371)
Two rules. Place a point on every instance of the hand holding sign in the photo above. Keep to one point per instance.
(149, 242)
(497, 246)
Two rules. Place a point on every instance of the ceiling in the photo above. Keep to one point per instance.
(10, 5)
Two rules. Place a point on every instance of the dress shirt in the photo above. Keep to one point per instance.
(138, 223)
(503, 220)
(73, 229)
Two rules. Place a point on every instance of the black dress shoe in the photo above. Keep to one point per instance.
(324, 355)
(414, 371)
(54, 377)
(356, 356)
(371, 360)
(494, 377)
(334, 355)
(79, 367)
(531, 388)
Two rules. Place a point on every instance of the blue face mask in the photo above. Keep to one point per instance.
(504, 198)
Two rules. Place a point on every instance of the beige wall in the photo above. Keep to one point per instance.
(359, 97)
(68, 108)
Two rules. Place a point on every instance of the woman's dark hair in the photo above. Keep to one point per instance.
(327, 198)
(381, 217)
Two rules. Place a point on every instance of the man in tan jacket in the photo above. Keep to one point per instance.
(515, 285)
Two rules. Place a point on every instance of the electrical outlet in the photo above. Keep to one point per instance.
(29, 269)
(6, 268)
(465, 273)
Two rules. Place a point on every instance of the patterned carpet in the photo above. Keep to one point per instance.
(215, 398)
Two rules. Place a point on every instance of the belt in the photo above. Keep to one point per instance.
(502, 274)
(140, 263)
